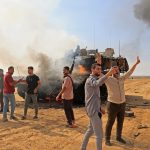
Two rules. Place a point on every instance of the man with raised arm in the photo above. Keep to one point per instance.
(93, 105)
(116, 101)
(67, 96)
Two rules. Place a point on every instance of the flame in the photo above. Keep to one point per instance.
(82, 70)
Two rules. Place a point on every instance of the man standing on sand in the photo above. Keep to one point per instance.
(33, 84)
(93, 105)
(67, 96)
(9, 89)
(116, 102)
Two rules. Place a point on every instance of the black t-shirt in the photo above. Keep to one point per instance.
(32, 82)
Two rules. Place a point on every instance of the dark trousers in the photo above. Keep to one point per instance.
(68, 111)
(1, 101)
(28, 99)
(115, 111)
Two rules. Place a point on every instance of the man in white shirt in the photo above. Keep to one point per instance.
(116, 102)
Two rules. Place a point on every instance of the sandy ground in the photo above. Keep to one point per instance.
(49, 131)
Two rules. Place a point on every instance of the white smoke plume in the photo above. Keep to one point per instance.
(29, 23)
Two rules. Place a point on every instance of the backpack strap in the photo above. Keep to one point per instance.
(71, 81)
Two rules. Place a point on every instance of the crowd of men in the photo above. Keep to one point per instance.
(33, 83)
(115, 105)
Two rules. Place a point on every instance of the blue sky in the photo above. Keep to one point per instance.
(112, 20)
(54, 26)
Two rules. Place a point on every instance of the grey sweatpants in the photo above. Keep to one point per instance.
(28, 99)
(95, 127)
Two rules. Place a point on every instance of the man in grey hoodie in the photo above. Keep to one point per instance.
(92, 105)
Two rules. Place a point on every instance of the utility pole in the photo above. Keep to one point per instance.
(94, 36)
(119, 49)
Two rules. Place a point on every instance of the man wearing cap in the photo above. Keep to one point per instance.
(116, 102)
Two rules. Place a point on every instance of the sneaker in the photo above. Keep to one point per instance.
(23, 118)
(108, 143)
(13, 118)
(71, 126)
(75, 126)
(73, 122)
(121, 140)
(35, 117)
(5, 120)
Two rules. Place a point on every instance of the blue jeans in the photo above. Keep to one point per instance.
(6, 99)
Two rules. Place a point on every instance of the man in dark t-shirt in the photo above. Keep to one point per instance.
(33, 84)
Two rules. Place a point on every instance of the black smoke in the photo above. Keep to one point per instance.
(142, 11)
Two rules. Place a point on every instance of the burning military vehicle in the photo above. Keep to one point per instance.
(81, 59)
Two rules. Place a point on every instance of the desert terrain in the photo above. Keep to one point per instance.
(50, 133)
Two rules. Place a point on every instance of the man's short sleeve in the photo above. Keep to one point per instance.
(37, 78)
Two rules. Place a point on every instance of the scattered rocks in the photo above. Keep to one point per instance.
(136, 134)
(128, 108)
(132, 105)
(146, 103)
(129, 114)
(142, 126)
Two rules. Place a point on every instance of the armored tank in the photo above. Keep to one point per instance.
(82, 59)
(82, 68)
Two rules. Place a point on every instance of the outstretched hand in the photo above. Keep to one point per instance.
(111, 72)
(138, 60)
(98, 58)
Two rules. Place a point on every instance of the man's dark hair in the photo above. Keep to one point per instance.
(11, 67)
(94, 65)
(66, 68)
(30, 67)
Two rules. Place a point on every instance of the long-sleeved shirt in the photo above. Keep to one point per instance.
(92, 94)
(115, 87)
